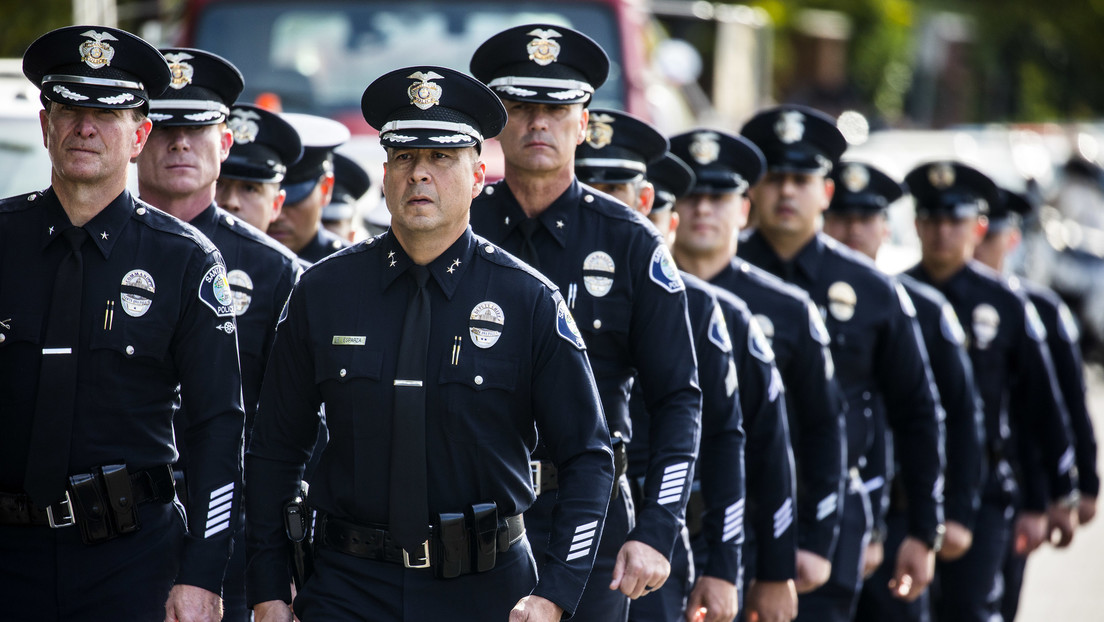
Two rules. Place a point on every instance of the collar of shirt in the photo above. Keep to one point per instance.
(802, 270)
(104, 228)
(447, 269)
(557, 219)
(206, 221)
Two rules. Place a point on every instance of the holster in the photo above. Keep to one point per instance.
(483, 519)
(105, 503)
(297, 524)
(454, 547)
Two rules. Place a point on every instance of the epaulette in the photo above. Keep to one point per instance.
(19, 202)
(496, 255)
(772, 282)
(359, 247)
(247, 231)
(161, 221)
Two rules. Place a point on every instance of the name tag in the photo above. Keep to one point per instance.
(345, 340)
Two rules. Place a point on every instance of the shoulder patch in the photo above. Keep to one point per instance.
(950, 326)
(1035, 327)
(214, 291)
(565, 324)
(663, 271)
(906, 301)
(758, 345)
(718, 330)
(1067, 325)
(816, 325)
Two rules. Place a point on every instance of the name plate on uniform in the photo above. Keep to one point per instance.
(346, 340)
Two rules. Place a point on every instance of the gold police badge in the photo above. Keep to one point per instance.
(704, 148)
(842, 301)
(855, 177)
(243, 124)
(96, 53)
(790, 126)
(599, 131)
(182, 72)
(941, 175)
(423, 93)
(542, 49)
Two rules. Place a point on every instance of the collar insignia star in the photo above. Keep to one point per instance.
(103, 235)
(559, 224)
(507, 220)
(51, 231)
(391, 255)
(392, 263)
(455, 264)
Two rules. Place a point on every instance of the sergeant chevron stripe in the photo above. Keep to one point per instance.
(674, 480)
(827, 506)
(218, 512)
(583, 540)
(734, 521)
(783, 518)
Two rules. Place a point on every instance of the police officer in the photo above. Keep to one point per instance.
(615, 157)
(309, 185)
(249, 180)
(619, 282)
(351, 181)
(857, 217)
(1005, 341)
(710, 217)
(108, 306)
(1002, 236)
(875, 345)
(437, 374)
(177, 172)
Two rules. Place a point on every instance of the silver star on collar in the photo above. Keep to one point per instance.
(507, 220)
(103, 235)
(559, 224)
(391, 255)
(392, 263)
(51, 231)
(455, 264)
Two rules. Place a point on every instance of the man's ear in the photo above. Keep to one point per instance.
(980, 228)
(226, 141)
(829, 192)
(278, 204)
(479, 177)
(584, 119)
(647, 198)
(327, 186)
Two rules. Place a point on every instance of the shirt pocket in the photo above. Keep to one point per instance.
(344, 364)
(601, 316)
(480, 397)
(135, 340)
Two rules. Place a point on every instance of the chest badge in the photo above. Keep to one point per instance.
(598, 269)
(485, 324)
(241, 290)
(842, 301)
(986, 323)
(136, 292)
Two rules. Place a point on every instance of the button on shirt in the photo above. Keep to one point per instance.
(153, 310)
(624, 292)
(503, 364)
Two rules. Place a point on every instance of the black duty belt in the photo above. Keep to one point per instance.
(546, 477)
(375, 542)
(151, 485)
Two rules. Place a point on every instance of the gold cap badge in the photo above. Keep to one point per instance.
(423, 93)
(941, 176)
(790, 126)
(599, 131)
(243, 124)
(182, 72)
(855, 177)
(96, 53)
(704, 148)
(543, 50)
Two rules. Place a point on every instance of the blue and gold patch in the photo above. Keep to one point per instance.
(565, 324)
(718, 330)
(214, 291)
(663, 271)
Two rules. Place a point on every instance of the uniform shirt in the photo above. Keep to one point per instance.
(628, 300)
(879, 363)
(1006, 343)
(799, 341)
(484, 404)
(771, 489)
(720, 466)
(324, 242)
(1063, 336)
(954, 378)
(154, 317)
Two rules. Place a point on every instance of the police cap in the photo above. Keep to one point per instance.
(319, 136)
(264, 145)
(1011, 207)
(541, 63)
(432, 107)
(722, 163)
(796, 139)
(351, 181)
(95, 67)
(672, 179)
(861, 188)
(617, 149)
(203, 87)
(951, 189)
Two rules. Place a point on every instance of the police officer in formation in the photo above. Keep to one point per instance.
(109, 307)
(1028, 449)
(618, 280)
(709, 221)
(857, 217)
(437, 372)
(177, 172)
(351, 182)
(879, 358)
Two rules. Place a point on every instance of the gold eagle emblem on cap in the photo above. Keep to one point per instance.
(599, 131)
(855, 177)
(704, 148)
(941, 175)
(96, 53)
(182, 72)
(790, 126)
(423, 93)
(542, 49)
(243, 124)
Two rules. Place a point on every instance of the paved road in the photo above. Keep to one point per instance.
(1068, 585)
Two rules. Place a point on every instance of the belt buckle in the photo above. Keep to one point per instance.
(535, 475)
(425, 557)
(68, 519)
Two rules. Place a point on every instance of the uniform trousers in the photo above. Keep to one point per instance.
(49, 574)
(835, 601)
(971, 588)
(599, 603)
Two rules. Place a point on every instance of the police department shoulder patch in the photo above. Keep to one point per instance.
(663, 271)
(565, 324)
(718, 330)
(214, 291)
(758, 345)
(950, 326)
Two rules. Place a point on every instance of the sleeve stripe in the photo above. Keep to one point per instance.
(214, 530)
(221, 491)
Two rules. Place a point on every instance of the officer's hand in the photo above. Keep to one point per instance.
(915, 570)
(188, 603)
(273, 611)
(1086, 510)
(639, 569)
(771, 601)
(812, 571)
(716, 596)
(872, 558)
(1060, 523)
(956, 541)
(533, 609)
(1030, 532)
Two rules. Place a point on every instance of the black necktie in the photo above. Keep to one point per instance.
(52, 428)
(528, 253)
(409, 502)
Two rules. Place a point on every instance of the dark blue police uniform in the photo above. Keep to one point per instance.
(319, 137)
(324, 243)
